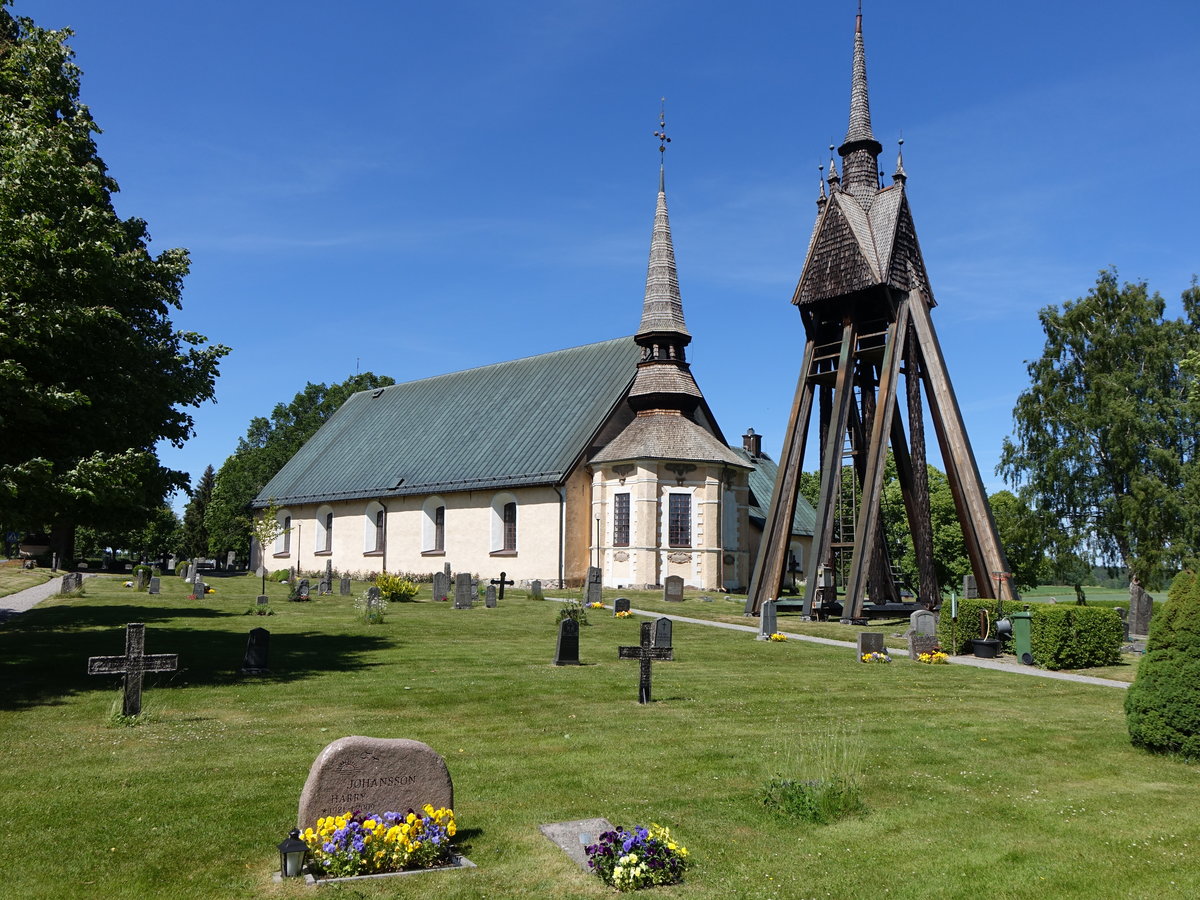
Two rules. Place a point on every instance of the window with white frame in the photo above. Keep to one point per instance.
(679, 520)
(504, 523)
(621, 519)
(283, 542)
(433, 525)
(323, 540)
(374, 528)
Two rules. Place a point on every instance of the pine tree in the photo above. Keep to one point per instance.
(195, 533)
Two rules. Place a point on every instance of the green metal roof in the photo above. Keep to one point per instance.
(517, 423)
(762, 487)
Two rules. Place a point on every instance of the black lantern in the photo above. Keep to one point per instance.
(291, 855)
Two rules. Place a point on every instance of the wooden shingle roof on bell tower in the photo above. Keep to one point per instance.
(864, 235)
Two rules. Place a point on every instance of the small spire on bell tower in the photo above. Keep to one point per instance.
(821, 198)
(833, 172)
(900, 176)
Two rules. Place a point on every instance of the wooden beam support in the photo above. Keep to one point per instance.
(771, 562)
(872, 489)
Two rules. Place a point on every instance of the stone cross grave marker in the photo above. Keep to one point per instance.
(673, 589)
(644, 653)
(463, 591)
(375, 775)
(662, 636)
(500, 582)
(535, 590)
(869, 642)
(302, 590)
(766, 621)
(566, 653)
(155, 585)
(593, 594)
(489, 597)
(133, 665)
(344, 587)
(441, 586)
(139, 580)
(970, 590)
(621, 604)
(258, 647)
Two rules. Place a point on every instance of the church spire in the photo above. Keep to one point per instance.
(662, 308)
(860, 151)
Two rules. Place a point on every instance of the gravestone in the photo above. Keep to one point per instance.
(446, 571)
(133, 665)
(535, 590)
(375, 775)
(441, 586)
(291, 575)
(644, 653)
(593, 594)
(155, 585)
(766, 620)
(869, 642)
(128, 567)
(139, 580)
(184, 571)
(621, 604)
(373, 596)
(344, 588)
(463, 591)
(230, 559)
(1120, 612)
(1141, 608)
(970, 590)
(262, 600)
(566, 653)
(923, 621)
(921, 643)
(258, 646)
(199, 589)
(302, 590)
(72, 581)
(489, 597)
(662, 636)
(326, 585)
(573, 838)
(501, 582)
(673, 589)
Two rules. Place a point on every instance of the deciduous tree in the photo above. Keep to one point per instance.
(93, 374)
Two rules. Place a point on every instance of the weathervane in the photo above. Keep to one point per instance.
(663, 140)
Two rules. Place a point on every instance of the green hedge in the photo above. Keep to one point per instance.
(1162, 707)
(1063, 636)
(1076, 637)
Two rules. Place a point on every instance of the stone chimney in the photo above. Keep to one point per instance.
(752, 443)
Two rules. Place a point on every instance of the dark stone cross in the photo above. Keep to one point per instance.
(133, 665)
(500, 581)
(645, 653)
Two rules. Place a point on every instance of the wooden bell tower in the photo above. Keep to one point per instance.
(865, 302)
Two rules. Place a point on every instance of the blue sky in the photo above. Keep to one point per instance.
(415, 188)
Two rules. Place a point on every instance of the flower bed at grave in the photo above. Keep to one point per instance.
(778, 636)
(628, 860)
(623, 614)
(876, 657)
(357, 843)
(934, 658)
(596, 605)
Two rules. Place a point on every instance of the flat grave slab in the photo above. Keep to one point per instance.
(574, 837)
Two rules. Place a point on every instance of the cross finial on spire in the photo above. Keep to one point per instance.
(661, 134)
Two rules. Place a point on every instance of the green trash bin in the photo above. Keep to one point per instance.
(1022, 627)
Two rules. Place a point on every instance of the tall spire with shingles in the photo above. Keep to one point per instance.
(662, 308)
(860, 150)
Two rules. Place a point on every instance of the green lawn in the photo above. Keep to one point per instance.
(14, 578)
(978, 782)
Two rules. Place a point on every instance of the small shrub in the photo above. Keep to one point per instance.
(371, 613)
(1162, 707)
(573, 609)
(280, 575)
(256, 610)
(395, 589)
(179, 567)
(817, 800)
(149, 572)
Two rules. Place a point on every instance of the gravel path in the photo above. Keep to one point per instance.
(17, 603)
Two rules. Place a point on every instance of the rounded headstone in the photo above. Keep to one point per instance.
(375, 775)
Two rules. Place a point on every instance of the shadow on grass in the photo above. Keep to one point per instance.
(42, 662)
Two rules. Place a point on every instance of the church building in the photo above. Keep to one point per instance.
(602, 455)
